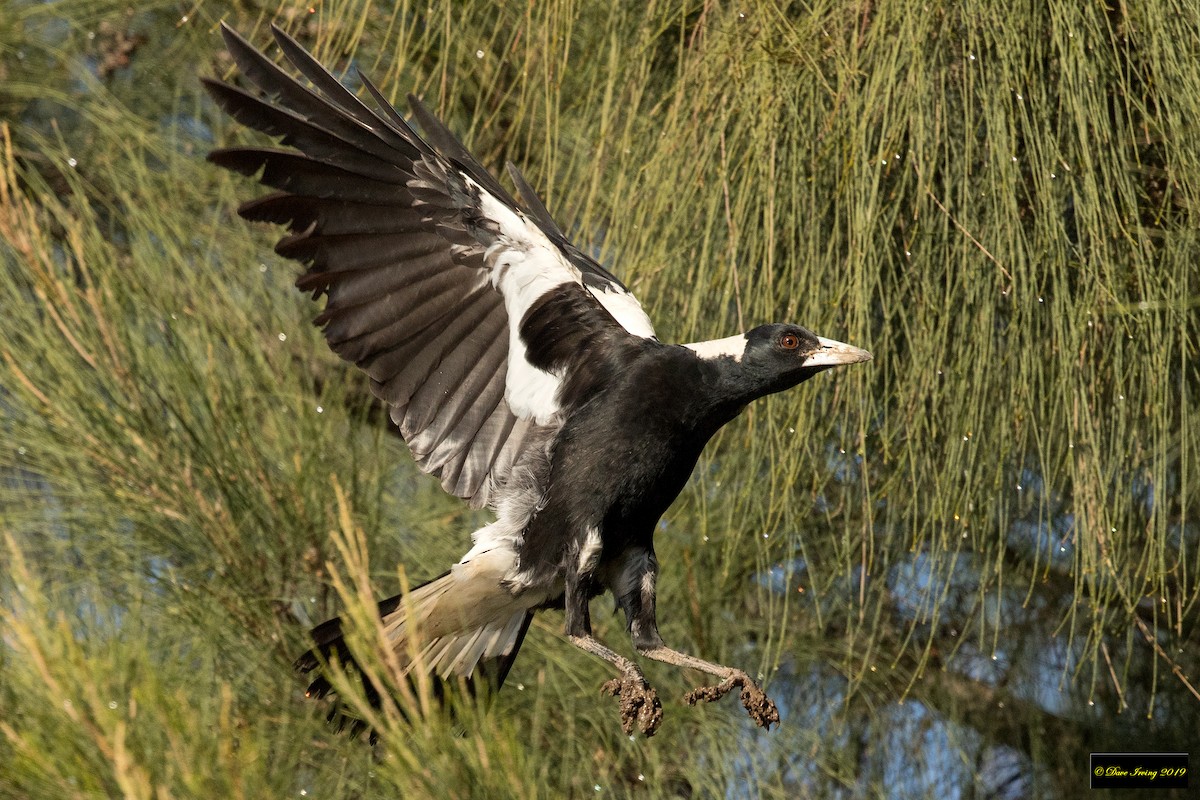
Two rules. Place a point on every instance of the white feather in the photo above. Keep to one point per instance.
(456, 654)
(589, 553)
(524, 265)
(474, 653)
(625, 309)
(531, 393)
(730, 347)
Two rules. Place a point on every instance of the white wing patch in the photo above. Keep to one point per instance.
(625, 309)
(524, 266)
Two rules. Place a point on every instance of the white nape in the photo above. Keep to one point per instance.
(730, 347)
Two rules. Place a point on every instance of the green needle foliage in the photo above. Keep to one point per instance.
(960, 567)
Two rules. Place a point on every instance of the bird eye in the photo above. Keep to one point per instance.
(789, 341)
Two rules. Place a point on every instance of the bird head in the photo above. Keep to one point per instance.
(780, 356)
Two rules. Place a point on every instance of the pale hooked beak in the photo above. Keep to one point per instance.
(833, 353)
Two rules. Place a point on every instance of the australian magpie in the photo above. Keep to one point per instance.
(519, 371)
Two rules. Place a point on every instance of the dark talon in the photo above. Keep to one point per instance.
(760, 707)
(639, 703)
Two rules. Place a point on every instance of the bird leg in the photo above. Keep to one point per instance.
(639, 573)
(760, 707)
(638, 700)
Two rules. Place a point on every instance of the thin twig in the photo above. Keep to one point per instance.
(961, 227)
(1112, 673)
(737, 283)
(1176, 670)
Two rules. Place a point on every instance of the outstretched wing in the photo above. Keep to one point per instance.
(454, 301)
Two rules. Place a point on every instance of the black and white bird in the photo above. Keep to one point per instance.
(520, 372)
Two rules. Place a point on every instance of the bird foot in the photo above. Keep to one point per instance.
(639, 702)
(760, 707)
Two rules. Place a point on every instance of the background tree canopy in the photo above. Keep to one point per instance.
(961, 568)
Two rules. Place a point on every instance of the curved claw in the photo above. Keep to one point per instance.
(760, 707)
(639, 703)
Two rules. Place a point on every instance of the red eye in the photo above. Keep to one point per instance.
(789, 341)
